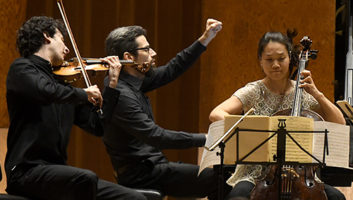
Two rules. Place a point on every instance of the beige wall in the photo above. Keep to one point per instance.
(231, 60)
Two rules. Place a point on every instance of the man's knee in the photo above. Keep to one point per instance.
(333, 193)
(135, 195)
(85, 180)
(241, 189)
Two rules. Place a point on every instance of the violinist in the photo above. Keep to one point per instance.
(132, 138)
(273, 93)
(42, 112)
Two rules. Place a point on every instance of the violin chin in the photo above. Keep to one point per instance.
(57, 62)
(150, 72)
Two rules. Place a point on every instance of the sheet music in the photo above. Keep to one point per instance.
(210, 158)
(249, 140)
(293, 152)
(346, 108)
(338, 142)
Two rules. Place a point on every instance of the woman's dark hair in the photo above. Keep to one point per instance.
(286, 40)
(30, 36)
(122, 40)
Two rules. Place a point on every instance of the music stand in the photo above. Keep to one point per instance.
(280, 157)
(347, 111)
(281, 148)
(221, 144)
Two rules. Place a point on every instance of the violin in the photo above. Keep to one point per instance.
(293, 182)
(78, 72)
(81, 65)
(70, 72)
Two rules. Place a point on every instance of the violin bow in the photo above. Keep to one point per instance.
(73, 42)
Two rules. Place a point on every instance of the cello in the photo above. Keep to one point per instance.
(293, 182)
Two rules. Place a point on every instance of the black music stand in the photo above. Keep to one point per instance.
(347, 111)
(281, 149)
(221, 144)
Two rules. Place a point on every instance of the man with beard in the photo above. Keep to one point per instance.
(132, 138)
(42, 112)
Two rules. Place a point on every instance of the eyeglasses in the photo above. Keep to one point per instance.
(147, 49)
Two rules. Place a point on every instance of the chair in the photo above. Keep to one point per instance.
(149, 194)
(11, 197)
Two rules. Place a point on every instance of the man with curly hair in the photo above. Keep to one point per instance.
(42, 112)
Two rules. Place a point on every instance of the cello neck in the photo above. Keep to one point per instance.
(348, 94)
(296, 108)
(304, 56)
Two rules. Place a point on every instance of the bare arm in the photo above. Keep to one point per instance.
(327, 109)
(230, 106)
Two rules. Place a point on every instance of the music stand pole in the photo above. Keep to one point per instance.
(221, 144)
(281, 150)
(221, 171)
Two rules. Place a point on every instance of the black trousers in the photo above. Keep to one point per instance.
(243, 189)
(172, 179)
(61, 182)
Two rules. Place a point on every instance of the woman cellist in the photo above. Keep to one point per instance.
(273, 93)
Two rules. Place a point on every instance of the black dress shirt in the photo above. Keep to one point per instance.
(132, 135)
(42, 112)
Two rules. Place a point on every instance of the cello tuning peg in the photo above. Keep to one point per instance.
(306, 42)
(313, 54)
